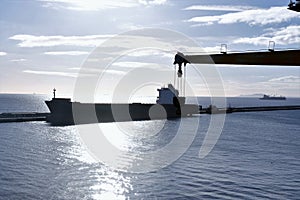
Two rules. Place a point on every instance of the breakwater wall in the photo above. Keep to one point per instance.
(23, 117)
(214, 110)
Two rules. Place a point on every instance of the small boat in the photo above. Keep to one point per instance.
(272, 97)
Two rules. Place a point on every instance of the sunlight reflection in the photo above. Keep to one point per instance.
(111, 185)
(128, 135)
(76, 150)
(107, 183)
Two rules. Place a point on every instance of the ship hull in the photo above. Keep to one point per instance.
(65, 112)
(273, 98)
(269, 97)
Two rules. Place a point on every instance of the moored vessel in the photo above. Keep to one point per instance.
(168, 105)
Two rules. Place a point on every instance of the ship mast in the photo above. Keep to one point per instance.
(54, 90)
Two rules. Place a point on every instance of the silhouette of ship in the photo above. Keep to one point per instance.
(168, 105)
(273, 97)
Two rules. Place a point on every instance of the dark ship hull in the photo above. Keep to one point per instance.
(65, 112)
(267, 97)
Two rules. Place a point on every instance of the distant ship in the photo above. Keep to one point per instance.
(168, 105)
(273, 97)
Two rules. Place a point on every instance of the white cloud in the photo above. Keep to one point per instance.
(66, 53)
(204, 50)
(95, 5)
(219, 8)
(88, 5)
(18, 60)
(202, 24)
(98, 71)
(286, 79)
(128, 64)
(58, 40)
(129, 26)
(3, 53)
(83, 73)
(114, 72)
(212, 49)
(51, 73)
(253, 17)
(206, 20)
(152, 2)
(151, 52)
(282, 36)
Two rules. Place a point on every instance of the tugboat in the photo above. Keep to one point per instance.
(269, 97)
(168, 105)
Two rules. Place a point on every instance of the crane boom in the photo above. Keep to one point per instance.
(286, 58)
(295, 6)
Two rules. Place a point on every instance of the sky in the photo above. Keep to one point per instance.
(45, 43)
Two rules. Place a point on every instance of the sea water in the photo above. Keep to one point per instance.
(256, 157)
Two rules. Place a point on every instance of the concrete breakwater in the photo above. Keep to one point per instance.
(215, 110)
(22, 117)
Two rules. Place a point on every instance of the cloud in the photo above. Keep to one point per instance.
(83, 73)
(151, 52)
(127, 66)
(3, 53)
(212, 49)
(272, 15)
(98, 71)
(96, 5)
(282, 36)
(51, 73)
(66, 53)
(18, 60)
(219, 8)
(130, 64)
(88, 5)
(152, 2)
(286, 79)
(114, 72)
(58, 40)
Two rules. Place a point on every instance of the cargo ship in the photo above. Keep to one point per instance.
(269, 97)
(168, 105)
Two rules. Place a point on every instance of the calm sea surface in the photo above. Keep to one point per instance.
(256, 157)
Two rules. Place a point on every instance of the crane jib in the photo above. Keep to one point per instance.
(283, 58)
